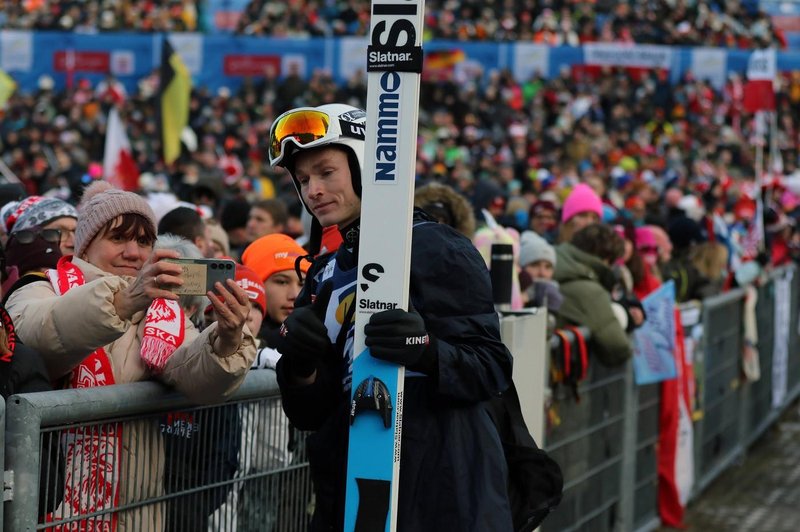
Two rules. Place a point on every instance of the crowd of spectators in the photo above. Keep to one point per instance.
(640, 142)
(633, 133)
(607, 182)
(732, 23)
(100, 15)
(554, 22)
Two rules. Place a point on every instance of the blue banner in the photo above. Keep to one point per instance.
(654, 341)
(221, 59)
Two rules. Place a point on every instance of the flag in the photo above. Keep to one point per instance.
(676, 437)
(440, 64)
(119, 167)
(175, 91)
(439, 59)
(7, 88)
(759, 93)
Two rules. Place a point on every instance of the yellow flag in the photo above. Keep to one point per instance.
(7, 88)
(176, 89)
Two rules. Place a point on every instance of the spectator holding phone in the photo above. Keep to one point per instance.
(108, 315)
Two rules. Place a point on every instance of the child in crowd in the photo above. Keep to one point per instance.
(537, 259)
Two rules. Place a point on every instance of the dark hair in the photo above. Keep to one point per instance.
(234, 214)
(636, 266)
(183, 222)
(600, 240)
(131, 226)
(275, 208)
(542, 205)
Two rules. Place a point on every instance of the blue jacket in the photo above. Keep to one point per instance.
(452, 471)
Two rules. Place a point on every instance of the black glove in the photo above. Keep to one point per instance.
(303, 338)
(399, 336)
(629, 303)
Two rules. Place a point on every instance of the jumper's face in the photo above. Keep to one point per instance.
(326, 186)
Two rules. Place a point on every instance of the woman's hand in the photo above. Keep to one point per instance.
(231, 305)
(154, 281)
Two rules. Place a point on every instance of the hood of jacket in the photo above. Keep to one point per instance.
(573, 264)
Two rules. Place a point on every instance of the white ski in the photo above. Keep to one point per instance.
(394, 66)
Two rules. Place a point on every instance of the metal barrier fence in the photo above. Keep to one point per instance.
(239, 466)
(224, 467)
(605, 442)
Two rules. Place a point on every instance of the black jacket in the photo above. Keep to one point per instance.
(453, 472)
(23, 371)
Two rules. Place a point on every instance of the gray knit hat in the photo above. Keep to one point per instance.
(532, 248)
(101, 203)
(43, 212)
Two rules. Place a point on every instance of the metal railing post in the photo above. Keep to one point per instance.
(8, 477)
(630, 412)
(22, 459)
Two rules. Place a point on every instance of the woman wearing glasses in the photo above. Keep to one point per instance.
(39, 231)
(108, 315)
(40, 213)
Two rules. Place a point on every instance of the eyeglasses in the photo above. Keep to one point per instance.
(305, 127)
(27, 236)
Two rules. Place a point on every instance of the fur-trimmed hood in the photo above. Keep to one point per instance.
(447, 206)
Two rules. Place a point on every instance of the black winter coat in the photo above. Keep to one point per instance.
(23, 371)
(452, 471)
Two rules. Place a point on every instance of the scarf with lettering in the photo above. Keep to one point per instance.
(93, 457)
(163, 333)
(94, 453)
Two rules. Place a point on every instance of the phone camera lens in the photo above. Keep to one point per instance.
(228, 266)
(213, 266)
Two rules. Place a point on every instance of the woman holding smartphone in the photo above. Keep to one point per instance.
(108, 315)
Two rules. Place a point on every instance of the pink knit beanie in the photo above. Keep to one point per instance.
(101, 203)
(645, 239)
(582, 199)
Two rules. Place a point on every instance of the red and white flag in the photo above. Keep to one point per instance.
(676, 437)
(759, 92)
(119, 168)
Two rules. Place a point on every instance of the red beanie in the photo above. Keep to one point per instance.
(250, 283)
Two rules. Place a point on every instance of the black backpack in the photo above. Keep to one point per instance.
(535, 482)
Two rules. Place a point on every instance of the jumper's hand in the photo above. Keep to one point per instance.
(397, 336)
(303, 338)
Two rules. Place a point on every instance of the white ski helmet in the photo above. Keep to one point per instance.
(311, 127)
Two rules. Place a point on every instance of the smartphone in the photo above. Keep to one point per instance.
(200, 275)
